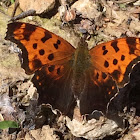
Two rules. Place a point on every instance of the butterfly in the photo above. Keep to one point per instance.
(64, 75)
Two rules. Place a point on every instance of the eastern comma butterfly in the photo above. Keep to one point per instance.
(64, 74)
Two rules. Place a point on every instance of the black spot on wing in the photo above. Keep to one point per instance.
(122, 57)
(56, 46)
(103, 47)
(114, 45)
(58, 71)
(58, 42)
(105, 52)
(46, 37)
(97, 75)
(115, 61)
(51, 68)
(106, 64)
(104, 75)
(41, 52)
(51, 56)
(36, 63)
(35, 46)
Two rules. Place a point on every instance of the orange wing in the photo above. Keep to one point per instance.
(39, 46)
(49, 56)
(117, 58)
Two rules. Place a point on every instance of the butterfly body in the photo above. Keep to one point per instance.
(81, 63)
(63, 74)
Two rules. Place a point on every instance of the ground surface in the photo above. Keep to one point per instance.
(103, 21)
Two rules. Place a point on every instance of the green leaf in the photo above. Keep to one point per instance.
(8, 124)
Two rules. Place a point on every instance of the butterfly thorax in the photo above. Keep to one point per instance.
(81, 63)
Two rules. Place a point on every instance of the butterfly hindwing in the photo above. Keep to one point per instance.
(55, 88)
(100, 88)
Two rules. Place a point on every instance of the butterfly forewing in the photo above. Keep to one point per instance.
(117, 58)
(39, 46)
